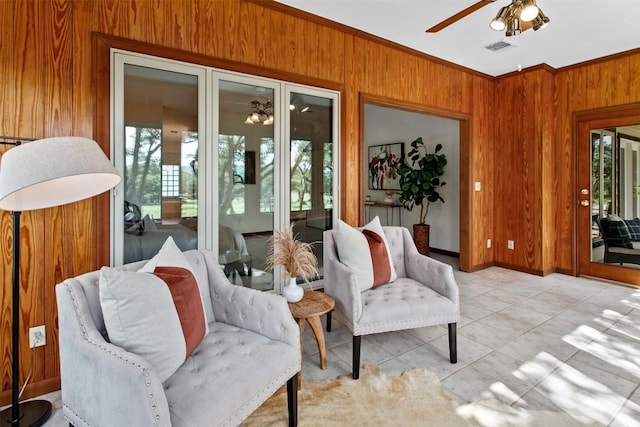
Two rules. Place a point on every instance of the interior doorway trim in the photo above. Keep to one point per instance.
(465, 162)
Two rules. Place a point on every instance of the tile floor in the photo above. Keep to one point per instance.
(557, 342)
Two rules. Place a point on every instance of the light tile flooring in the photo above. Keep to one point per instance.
(557, 342)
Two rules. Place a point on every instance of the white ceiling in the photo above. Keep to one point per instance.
(579, 30)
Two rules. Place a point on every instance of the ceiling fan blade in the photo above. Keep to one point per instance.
(458, 16)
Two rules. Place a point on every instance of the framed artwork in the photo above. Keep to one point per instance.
(383, 163)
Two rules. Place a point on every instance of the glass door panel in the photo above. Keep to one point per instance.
(158, 159)
(614, 166)
(246, 182)
(311, 180)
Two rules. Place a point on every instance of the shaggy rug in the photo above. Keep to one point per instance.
(413, 399)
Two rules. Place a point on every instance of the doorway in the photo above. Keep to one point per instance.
(458, 241)
(608, 167)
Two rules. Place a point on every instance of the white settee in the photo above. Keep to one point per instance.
(251, 350)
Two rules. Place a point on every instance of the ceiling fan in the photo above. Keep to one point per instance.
(518, 16)
(458, 16)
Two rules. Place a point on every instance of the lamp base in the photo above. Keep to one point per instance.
(32, 413)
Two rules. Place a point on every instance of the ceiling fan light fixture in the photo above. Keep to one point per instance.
(528, 10)
(513, 26)
(540, 21)
(262, 112)
(498, 23)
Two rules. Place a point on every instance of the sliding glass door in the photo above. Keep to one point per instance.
(159, 128)
(247, 180)
(312, 160)
(262, 126)
(218, 161)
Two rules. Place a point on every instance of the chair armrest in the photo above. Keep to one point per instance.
(430, 272)
(341, 283)
(102, 384)
(264, 313)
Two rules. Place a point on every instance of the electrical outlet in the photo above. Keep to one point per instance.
(488, 243)
(37, 336)
(510, 244)
(477, 186)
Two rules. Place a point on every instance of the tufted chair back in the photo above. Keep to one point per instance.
(395, 238)
(425, 293)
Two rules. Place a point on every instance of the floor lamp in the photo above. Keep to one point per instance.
(37, 175)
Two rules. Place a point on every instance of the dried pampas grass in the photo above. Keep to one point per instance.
(294, 256)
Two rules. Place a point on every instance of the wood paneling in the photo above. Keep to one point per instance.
(525, 207)
(479, 161)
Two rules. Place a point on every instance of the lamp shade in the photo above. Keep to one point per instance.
(529, 10)
(53, 171)
(498, 23)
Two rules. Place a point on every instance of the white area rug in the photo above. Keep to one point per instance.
(413, 399)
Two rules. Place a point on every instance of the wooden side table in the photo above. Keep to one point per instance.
(313, 305)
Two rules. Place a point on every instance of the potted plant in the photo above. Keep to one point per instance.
(295, 256)
(420, 173)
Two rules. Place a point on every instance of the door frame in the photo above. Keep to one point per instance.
(465, 192)
(583, 123)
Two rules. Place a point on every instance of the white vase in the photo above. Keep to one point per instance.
(292, 292)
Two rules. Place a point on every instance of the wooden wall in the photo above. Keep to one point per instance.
(48, 88)
(525, 170)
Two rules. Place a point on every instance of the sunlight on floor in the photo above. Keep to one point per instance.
(578, 394)
(611, 350)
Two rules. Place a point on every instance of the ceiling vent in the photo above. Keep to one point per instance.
(499, 45)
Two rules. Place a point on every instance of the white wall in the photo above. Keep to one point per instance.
(387, 125)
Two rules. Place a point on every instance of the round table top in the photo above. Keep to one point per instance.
(313, 303)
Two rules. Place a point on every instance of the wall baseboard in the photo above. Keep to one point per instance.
(444, 252)
(478, 267)
(522, 269)
(32, 390)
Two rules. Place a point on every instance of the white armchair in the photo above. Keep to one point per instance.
(425, 293)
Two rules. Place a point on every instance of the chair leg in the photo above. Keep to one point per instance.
(356, 357)
(453, 343)
(329, 321)
(292, 400)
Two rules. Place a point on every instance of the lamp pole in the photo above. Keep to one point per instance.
(35, 412)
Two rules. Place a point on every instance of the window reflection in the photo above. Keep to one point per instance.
(160, 156)
(615, 232)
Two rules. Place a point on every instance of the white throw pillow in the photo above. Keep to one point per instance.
(157, 312)
(366, 253)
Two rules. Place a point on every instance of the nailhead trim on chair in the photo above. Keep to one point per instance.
(143, 370)
(259, 398)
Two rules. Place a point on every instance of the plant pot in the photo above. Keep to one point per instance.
(421, 238)
(292, 291)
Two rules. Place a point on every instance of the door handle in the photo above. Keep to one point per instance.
(584, 202)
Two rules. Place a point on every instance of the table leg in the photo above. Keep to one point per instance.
(316, 326)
